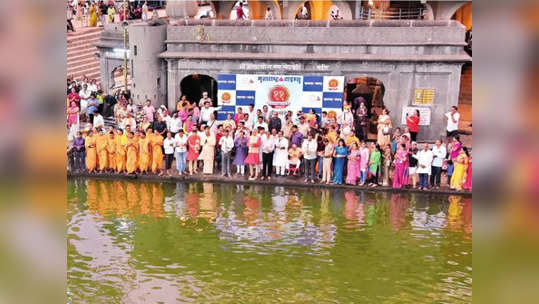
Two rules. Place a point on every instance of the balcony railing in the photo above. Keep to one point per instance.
(391, 14)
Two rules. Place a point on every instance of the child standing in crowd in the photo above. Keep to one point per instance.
(364, 162)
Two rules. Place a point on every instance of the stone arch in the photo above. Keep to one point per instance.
(445, 10)
(319, 10)
(370, 90)
(193, 85)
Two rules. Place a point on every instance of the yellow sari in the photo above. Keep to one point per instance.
(144, 154)
(459, 173)
(91, 155)
(157, 153)
(121, 151)
(102, 155)
(93, 16)
(132, 152)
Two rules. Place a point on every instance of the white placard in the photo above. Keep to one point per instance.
(424, 115)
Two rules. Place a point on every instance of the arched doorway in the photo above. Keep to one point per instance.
(323, 10)
(367, 90)
(193, 85)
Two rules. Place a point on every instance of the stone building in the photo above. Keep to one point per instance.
(404, 62)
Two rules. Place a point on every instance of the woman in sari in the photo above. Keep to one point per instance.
(91, 153)
(456, 147)
(400, 175)
(354, 159)
(339, 154)
(364, 162)
(253, 157)
(132, 153)
(459, 172)
(121, 151)
(157, 152)
(72, 114)
(207, 153)
(93, 16)
(384, 128)
(468, 184)
(193, 149)
(102, 154)
(144, 148)
(241, 152)
(375, 159)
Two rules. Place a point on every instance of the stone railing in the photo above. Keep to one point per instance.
(314, 23)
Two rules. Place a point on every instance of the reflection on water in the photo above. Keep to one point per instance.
(202, 242)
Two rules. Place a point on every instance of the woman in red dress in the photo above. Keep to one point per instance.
(193, 150)
(253, 157)
(413, 124)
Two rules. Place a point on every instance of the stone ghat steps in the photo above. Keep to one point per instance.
(81, 51)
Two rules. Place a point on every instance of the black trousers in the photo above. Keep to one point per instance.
(168, 161)
(436, 176)
(413, 135)
(267, 164)
(70, 26)
(80, 158)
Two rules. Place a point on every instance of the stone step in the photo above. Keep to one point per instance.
(82, 42)
(88, 72)
(88, 50)
(82, 66)
(80, 47)
(78, 58)
(83, 37)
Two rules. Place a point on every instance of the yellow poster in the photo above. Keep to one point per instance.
(424, 96)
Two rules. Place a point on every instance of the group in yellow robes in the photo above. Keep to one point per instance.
(91, 154)
(102, 154)
(144, 153)
(132, 154)
(157, 152)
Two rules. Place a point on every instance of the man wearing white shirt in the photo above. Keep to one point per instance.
(84, 94)
(309, 148)
(268, 146)
(206, 112)
(424, 163)
(266, 113)
(261, 124)
(180, 151)
(204, 99)
(439, 152)
(175, 124)
(212, 124)
(227, 143)
(452, 117)
(346, 118)
(252, 115)
(168, 146)
(303, 126)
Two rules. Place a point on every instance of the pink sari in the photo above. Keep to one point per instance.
(353, 172)
(72, 115)
(400, 176)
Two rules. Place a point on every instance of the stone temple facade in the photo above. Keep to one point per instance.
(404, 55)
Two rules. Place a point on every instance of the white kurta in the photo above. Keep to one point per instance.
(280, 157)
(424, 158)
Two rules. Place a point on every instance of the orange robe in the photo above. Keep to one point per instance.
(102, 155)
(121, 151)
(149, 137)
(157, 153)
(144, 154)
(111, 150)
(131, 155)
(91, 154)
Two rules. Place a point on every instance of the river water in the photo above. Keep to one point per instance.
(146, 242)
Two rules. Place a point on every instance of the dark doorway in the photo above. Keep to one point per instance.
(193, 85)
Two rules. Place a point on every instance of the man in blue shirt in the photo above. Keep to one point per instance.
(92, 107)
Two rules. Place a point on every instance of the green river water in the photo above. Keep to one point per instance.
(145, 242)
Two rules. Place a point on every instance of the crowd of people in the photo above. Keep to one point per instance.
(258, 144)
(91, 13)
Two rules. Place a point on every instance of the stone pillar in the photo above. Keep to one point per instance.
(146, 42)
(173, 84)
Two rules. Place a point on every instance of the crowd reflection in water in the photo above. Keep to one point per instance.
(276, 214)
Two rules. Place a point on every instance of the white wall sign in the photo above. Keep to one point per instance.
(424, 115)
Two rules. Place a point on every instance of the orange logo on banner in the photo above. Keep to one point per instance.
(278, 97)
(333, 84)
(225, 97)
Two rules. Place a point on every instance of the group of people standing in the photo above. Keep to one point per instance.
(90, 12)
(260, 144)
